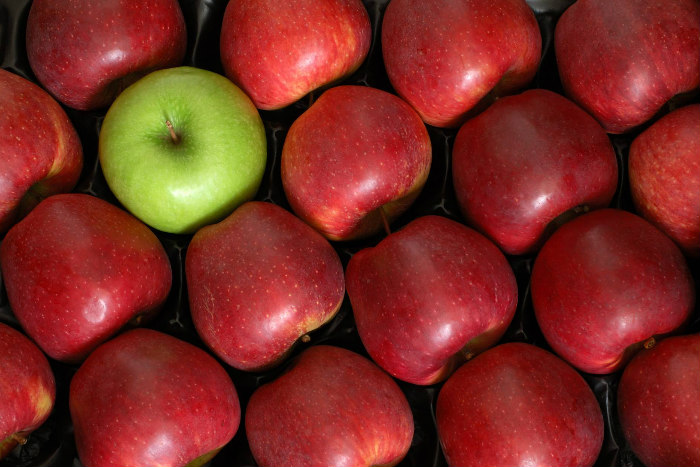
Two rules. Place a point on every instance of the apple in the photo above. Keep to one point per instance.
(664, 176)
(85, 52)
(605, 284)
(40, 150)
(429, 296)
(623, 60)
(449, 57)
(659, 403)
(518, 405)
(278, 51)
(357, 157)
(77, 269)
(332, 407)
(27, 388)
(146, 398)
(555, 159)
(182, 148)
(258, 281)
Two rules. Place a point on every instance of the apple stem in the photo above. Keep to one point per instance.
(385, 221)
(19, 439)
(173, 135)
(649, 343)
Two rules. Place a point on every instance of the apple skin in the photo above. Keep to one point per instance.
(606, 282)
(518, 405)
(85, 52)
(664, 176)
(27, 388)
(355, 152)
(271, 52)
(428, 296)
(215, 164)
(445, 57)
(659, 403)
(77, 269)
(624, 75)
(333, 408)
(556, 158)
(146, 398)
(258, 281)
(40, 150)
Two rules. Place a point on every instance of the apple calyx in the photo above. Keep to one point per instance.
(12, 441)
(649, 343)
(173, 135)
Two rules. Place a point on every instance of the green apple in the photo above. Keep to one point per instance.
(182, 148)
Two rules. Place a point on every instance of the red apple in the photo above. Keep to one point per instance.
(27, 388)
(85, 52)
(277, 51)
(444, 57)
(623, 60)
(428, 296)
(40, 151)
(659, 403)
(357, 151)
(146, 398)
(555, 158)
(606, 282)
(518, 405)
(664, 176)
(77, 269)
(258, 281)
(331, 408)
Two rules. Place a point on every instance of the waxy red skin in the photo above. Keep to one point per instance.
(354, 151)
(623, 60)
(606, 282)
(77, 269)
(658, 403)
(445, 57)
(429, 295)
(146, 398)
(258, 281)
(555, 158)
(331, 408)
(27, 387)
(278, 51)
(85, 52)
(40, 151)
(518, 405)
(664, 176)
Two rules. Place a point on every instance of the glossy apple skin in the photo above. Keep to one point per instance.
(40, 150)
(278, 51)
(556, 158)
(77, 269)
(445, 57)
(27, 387)
(659, 403)
(354, 151)
(606, 282)
(85, 52)
(258, 281)
(146, 398)
(429, 295)
(331, 408)
(518, 405)
(624, 75)
(664, 176)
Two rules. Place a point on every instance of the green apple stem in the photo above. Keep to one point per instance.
(173, 135)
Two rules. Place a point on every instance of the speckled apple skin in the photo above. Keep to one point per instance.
(518, 405)
(332, 408)
(84, 52)
(664, 176)
(623, 60)
(278, 51)
(606, 282)
(40, 151)
(77, 269)
(146, 398)
(659, 403)
(258, 281)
